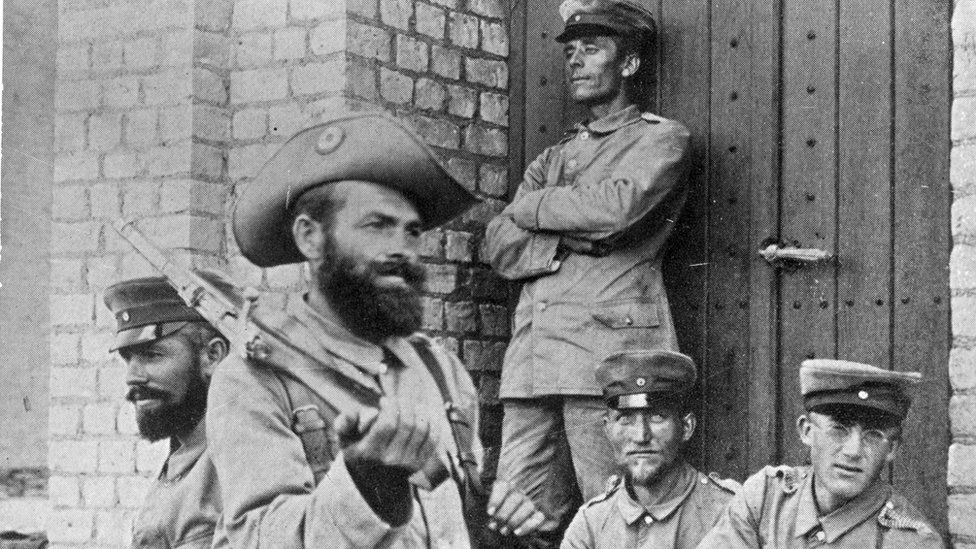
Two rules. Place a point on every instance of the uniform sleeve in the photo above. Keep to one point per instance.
(269, 496)
(514, 252)
(578, 535)
(647, 180)
(738, 525)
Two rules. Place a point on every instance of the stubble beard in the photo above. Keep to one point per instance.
(368, 310)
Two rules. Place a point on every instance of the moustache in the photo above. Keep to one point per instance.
(141, 392)
(412, 273)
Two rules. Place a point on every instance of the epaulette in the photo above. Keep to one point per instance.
(609, 488)
(791, 477)
(902, 518)
(651, 118)
(725, 484)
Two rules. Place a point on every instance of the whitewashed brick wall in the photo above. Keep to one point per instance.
(962, 364)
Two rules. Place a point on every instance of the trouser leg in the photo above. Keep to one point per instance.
(535, 456)
(593, 455)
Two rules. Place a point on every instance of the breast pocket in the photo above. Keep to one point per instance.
(625, 325)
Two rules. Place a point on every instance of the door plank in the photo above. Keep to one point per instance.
(864, 183)
(809, 169)
(684, 60)
(922, 242)
(764, 176)
(725, 381)
(545, 92)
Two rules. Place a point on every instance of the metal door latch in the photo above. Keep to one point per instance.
(780, 256)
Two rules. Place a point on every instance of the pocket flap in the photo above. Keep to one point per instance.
(632, 314)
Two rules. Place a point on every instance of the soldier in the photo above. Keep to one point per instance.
(586, 233)
(658, 500)
(170, 353)
(349, 197)
(853, 427)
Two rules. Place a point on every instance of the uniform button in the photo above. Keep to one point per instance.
(648, 519)
(571, 164)
(542, 306)
(821, 536)
(584, 135)
(628, 321)
(554, 266)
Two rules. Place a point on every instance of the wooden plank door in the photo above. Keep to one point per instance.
(822, 125)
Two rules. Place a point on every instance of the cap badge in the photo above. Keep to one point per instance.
(329, 140)
(863, 395)
(124, 316)
(641, 382)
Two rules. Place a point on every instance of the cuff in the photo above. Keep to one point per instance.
(525, 212)
(349, 510)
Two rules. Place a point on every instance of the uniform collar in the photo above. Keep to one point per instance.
(632, 511)
(843, 519)
(184, 452)
(613, 121)
(337, 339)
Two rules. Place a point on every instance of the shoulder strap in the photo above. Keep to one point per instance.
(473, 496)
(307, 422)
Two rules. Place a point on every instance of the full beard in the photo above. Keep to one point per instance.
(366, 309)
(170, 418)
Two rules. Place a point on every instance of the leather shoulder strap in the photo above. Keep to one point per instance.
(312, 429)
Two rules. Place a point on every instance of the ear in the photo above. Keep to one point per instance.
(689, 422)
(607, 422)
(893, 453)
(630, 65)
(309, 236)
(803, 426)
(212, 354)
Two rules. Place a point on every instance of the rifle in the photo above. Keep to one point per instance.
(238, 316)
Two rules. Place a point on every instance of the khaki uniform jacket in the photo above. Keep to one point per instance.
(776, 508)
(616, 186)
(271, 500)
(183, 504)
(615, 521)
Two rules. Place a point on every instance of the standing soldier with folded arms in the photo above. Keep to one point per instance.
(170, 353)
(658, 500)
(586, 233)
(349, 197)
(853, 427)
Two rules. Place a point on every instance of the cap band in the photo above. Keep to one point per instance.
(645, 400)
(881, 398)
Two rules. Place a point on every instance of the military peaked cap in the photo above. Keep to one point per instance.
(146, 309)
(637, 379)
(617, 17)
(831, 383)
(371, 147)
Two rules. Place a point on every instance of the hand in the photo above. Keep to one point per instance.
(393, 436)
(512, 512)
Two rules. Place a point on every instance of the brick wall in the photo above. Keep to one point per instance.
(962, 366)
(141, 126)
(163, 106)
